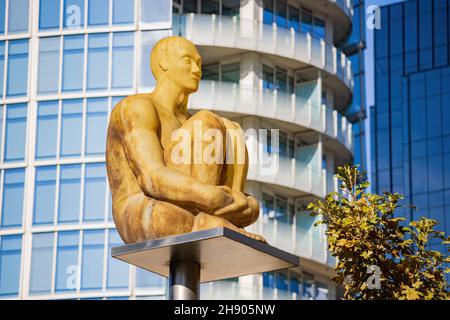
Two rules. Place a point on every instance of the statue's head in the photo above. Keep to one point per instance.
(177, 59)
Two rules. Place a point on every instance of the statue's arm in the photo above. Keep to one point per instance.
(145, 157)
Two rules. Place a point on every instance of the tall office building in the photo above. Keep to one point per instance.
(266, 64)
(409, 128)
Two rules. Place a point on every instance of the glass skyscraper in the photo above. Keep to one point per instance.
(409, 122)
(289, 65)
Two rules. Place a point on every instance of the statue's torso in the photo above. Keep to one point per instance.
(122, 180)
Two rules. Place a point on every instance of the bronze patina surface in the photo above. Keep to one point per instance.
(154, 196)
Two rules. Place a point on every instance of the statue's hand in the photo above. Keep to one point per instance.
(243, 211)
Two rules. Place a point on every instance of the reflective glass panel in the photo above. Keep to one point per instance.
(49, 12)
(155, 11)
(123, 60)
(94, 192)
(41, 263)
(73, 14)
(98, 61)
(46, 129)
(16, 127)
(71, 127)
(10, 254)
(17, 76)
(123, 11)
(73, 60)
(48, 73)
(12, 206)
(92, 260)
(96, 126)
(118, 271)
(18, 17)
(98, 12)
(69, 193)
(67, 269)
(44, 195)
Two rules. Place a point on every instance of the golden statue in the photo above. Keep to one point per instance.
(154, 196)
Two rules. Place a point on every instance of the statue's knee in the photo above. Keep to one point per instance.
(210, 120)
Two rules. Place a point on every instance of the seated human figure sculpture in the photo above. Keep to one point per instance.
(154, 196)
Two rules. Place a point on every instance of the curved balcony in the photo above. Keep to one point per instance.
(300, 48)
(290, 108)
(342, 13)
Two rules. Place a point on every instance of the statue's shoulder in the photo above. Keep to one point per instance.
(137, 107)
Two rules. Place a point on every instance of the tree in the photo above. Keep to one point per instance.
(379, 255)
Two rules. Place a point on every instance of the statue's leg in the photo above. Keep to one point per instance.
(232, 175)
(143, 218)
(198, 124)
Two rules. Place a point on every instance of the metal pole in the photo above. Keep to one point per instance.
(184, 280)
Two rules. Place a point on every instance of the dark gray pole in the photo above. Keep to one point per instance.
(184, 280)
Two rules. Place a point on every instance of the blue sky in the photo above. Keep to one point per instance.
(370, 72)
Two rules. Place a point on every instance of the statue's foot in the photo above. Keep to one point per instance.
(252, 235)
(205, 221)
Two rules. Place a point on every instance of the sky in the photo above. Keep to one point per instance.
(370, 72)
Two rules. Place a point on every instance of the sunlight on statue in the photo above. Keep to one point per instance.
(170, 172)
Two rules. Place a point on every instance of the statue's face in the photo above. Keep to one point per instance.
(185, 65)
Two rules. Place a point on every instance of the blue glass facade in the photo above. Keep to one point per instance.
(63, 66)
(410, 135)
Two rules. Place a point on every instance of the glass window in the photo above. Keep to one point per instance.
(48, 65)
(16, 127)
(73, 14)
(211, 7)
(2, 16)
(231, 7)
(307, 21)
(118, 271)
(281, 209)
(2, 66)
(148, 39)
(10, 253)
(2, 108)
(73, 63)
(268, 13)
(123, 11)
(294, 18)
(319, 28)
(98, 61)
(49, 12)
(96, 126)
(98, 12)
(210, 72)
(281, 16)
(67, 268)
(268, 77)
(69, 193)
(155, 11)
(147, 279)
(190, 6)
(46, 131)
(281, 79)
(17, 68)
(44, 195)
(92, 260)
(94, 192)
(41, 263)
(12, 206)
(71, 128)
(231, 72)
(123, 60)
(18, 17)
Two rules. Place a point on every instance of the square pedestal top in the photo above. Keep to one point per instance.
(222, 253)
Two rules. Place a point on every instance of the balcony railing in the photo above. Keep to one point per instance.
(306, 240)
(232, 32)
(292, 108)
(345, 5)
